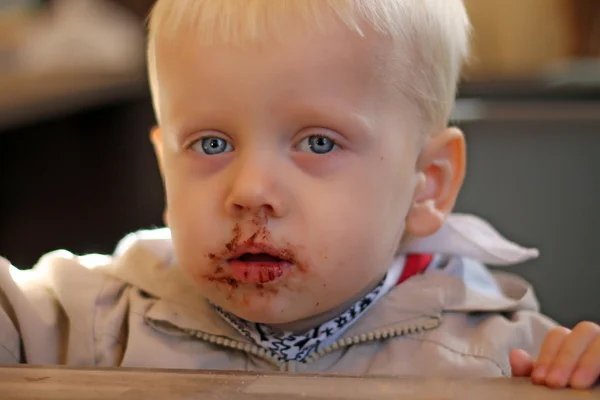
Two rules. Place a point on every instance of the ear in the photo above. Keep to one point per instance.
(441, 171)
(157, 143)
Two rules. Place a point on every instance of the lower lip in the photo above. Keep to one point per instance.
(257, 272)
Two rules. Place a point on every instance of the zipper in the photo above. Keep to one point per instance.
(289, 366)
(249, 348)
(376, 335)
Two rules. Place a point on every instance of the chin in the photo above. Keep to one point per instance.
(264, 312)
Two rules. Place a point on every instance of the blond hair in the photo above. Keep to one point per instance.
(437, 32)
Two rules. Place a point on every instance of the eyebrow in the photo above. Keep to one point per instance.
(207, 117)
(346, 119)
(339, 118)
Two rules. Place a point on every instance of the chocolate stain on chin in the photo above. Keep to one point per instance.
(264, 291)
(232, 283)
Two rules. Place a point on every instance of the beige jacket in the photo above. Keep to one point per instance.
(137, 309)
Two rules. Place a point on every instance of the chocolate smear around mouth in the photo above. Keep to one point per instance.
(232, 283)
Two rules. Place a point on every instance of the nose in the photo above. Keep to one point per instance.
(257, 187)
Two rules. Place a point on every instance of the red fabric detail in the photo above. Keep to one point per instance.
(415, 264)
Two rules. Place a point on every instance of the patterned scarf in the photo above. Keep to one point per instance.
(289, 346)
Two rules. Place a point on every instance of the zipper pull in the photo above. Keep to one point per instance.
(289, 366)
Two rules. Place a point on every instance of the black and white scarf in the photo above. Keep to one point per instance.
(289, 346)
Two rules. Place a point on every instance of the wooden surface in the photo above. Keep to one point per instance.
(26, 97)
(85, 384)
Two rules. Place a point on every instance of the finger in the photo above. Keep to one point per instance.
(587, 371)
(573, 347)
(548, 353)
(521, 363)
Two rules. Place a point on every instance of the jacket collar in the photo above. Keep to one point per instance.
(465, 235)
(145, 260)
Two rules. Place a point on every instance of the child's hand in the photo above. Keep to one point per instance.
(567, 358)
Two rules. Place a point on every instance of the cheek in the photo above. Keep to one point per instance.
(192, 219)
(361, 226)
(190, 198)
(371, 228)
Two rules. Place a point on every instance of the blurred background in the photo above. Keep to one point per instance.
(77, 170)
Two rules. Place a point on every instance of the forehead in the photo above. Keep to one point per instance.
(299, 50)
(333, 62)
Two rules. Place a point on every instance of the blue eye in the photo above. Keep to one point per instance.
(212, 145)
(318, 144)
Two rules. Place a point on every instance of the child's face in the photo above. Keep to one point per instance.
(294, 150)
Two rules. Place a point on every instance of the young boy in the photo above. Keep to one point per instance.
(310, 177)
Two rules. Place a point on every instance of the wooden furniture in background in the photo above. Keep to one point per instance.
(585, 17)
(518, 37)
(29, 98)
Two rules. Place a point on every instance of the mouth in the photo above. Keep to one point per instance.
(260, 264)
(259, 258)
